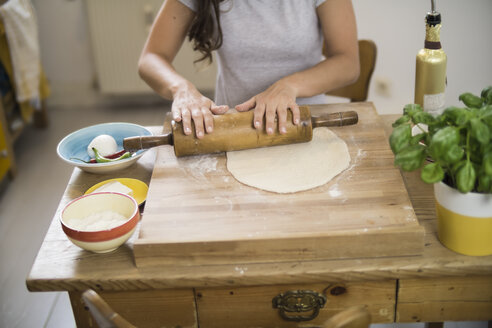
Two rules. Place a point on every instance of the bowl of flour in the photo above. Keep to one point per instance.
(100, 222)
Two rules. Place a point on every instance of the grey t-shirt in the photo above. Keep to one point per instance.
(263, 41)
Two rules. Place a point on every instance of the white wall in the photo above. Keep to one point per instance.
(66, 52)
(397, 27)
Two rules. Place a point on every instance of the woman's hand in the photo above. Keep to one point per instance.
(273, 102)
(189, 104)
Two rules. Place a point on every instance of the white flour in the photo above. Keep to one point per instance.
(104, 220)
(199, 165)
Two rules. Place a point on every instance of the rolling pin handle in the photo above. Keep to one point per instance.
(146, 142)
(335, 119)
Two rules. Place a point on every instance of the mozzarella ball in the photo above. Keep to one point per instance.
(105, 145)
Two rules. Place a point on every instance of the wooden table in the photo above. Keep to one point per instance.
(439, 285)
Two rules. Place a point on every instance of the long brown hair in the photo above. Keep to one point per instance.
(202, 29)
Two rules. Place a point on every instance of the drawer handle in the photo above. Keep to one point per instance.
(4, 153)
(298, 301)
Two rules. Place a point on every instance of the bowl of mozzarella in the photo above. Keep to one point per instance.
(79, 147)
(100, 222)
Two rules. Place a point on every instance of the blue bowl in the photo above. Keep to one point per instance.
(75, 145)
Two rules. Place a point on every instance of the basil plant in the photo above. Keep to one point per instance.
(456, 147)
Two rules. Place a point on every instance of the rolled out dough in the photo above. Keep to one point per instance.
(291, 168)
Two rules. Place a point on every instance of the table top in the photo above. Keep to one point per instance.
(60, 265)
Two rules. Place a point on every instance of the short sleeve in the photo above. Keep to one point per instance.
(192, 4)
(318, 3)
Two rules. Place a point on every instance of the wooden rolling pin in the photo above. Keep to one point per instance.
(235, 131)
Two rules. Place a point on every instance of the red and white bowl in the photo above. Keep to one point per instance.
(101, 241)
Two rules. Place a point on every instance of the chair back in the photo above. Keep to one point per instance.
(359, 90)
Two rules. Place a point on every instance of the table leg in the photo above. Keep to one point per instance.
(80, 312)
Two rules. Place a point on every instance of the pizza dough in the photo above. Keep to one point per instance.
(291, 168)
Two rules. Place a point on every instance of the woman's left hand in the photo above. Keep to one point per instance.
(271, 103)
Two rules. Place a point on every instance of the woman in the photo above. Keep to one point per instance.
(268, 53)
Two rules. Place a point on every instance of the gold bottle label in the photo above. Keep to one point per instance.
(430, 74)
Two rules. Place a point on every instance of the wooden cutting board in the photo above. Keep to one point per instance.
(196, 213)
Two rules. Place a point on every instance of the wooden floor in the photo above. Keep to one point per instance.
(27, 205)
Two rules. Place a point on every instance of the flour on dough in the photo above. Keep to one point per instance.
(291, 168)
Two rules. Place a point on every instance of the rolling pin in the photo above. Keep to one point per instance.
(235, 131)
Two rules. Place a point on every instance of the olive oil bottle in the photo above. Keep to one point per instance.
(430, 73)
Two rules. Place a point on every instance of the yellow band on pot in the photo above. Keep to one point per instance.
(464, 234)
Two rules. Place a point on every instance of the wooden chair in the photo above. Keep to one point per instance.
(102, 313)
(359, 90)
(106, 317)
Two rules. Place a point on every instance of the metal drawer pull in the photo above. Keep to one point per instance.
(4, 153)
(297, 301)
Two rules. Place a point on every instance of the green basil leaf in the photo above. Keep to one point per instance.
(400, 137)
(410, 158)
(466, 177)
(475, 150)
(487, 95)
(442, 141)
(432, 173)
(416, 139)
(486, 115)
(457, 166)
(484, 183)
(401, 120)
(453, 154)
(487, 163)
(423, 117)
(412, 109)
(480, 131)
(457, 116)
(470, 100)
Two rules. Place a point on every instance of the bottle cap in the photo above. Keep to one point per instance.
(433, 18)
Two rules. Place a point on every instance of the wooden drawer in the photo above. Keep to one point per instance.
(450, 299)
(252, 306)
(159, 308)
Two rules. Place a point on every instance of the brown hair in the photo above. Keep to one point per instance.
(202, 29)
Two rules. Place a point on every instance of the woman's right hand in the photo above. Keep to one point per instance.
(189, 104)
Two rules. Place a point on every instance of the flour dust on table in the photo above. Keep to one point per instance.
(291, 168)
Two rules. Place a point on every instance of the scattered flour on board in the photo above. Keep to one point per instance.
(347, 173)
(204, 163)
(334, 191)
(241, 270)
(198, 165)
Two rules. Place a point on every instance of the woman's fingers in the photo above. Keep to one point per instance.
(197, 116)
(270, 114)
(176, 113)
(282, 119)
(273, 113)
(296, 113)
(186, 118)
(208, 120)
(219, 110)
(247, 105)
(258, 114)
